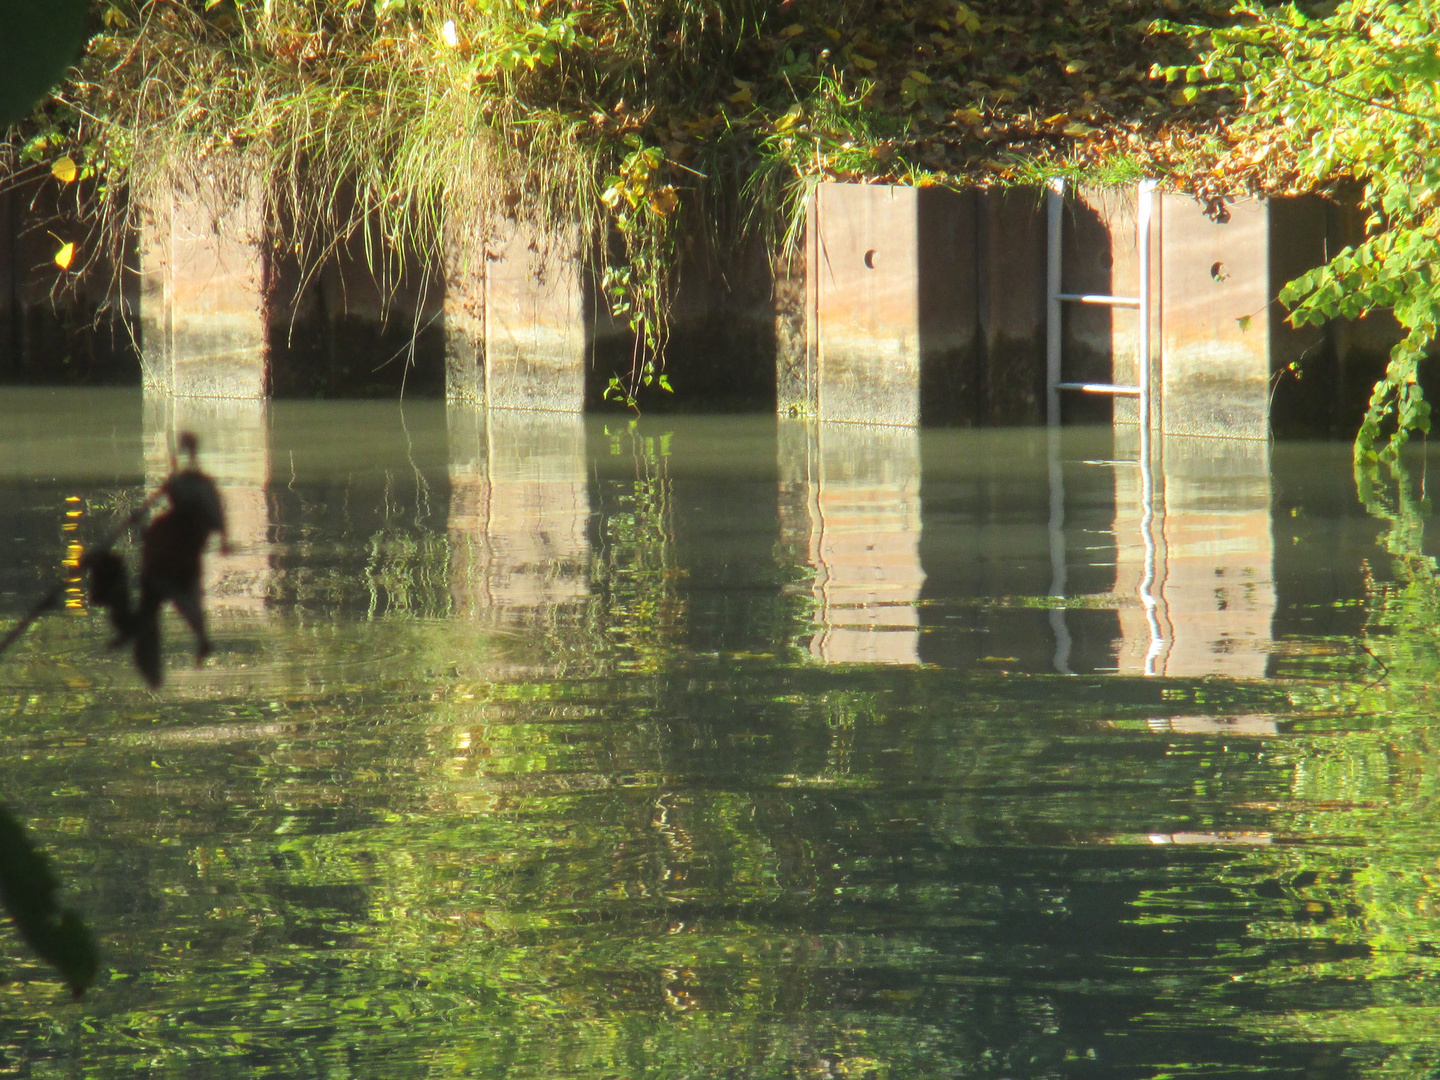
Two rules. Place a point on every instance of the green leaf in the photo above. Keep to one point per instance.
(38, 41)
(28, 889)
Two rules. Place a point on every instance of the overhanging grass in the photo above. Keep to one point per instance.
(646, 120)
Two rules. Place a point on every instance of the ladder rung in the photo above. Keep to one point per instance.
(1097, 298)
(1098, 388)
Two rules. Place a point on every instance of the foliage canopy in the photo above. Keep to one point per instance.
(1355, 94)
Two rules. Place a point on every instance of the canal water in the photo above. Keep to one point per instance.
(546, 747)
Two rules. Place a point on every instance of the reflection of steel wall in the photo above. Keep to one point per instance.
(234, 449)
(519, 510)
(1214, 585)
(850, 506)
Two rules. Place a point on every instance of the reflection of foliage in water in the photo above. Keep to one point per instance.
(1357, 906)
(636, 574)
(391, 558)
(524, 879)
(692, 864)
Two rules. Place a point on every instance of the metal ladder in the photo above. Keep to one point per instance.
(1054, 384)
(1055, 301)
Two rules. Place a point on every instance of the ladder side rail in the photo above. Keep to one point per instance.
(1054, 208)
(1144, 212)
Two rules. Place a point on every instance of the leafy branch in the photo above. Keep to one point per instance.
(1353, 95)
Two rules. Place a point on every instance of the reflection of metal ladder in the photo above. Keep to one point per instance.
(1055, 383)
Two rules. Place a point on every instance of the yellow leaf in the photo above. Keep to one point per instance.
(973, 117)
(740, 97)
(65, 256)
(864, 63)
(64, 170)
(104, 46)
(1057, 118)
(793, 30)
(1075, 67)
(664, 201)
(790, 119)
(919, 77)
(1078, 130)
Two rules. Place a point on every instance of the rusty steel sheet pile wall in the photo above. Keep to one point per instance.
(921, 305)
(732, 309)
(866, 295)
(1215, 319)
(228, 311)
(1231, 363)
(357, 316)
(905, 306)
(514, 318)
(926, 305)
(203, 315)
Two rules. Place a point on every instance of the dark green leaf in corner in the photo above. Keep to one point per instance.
(28, 888)
(39, 39)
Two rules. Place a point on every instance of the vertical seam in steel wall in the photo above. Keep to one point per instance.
(812, 304)
(822, 250)
(482, 362)
(167, 281)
